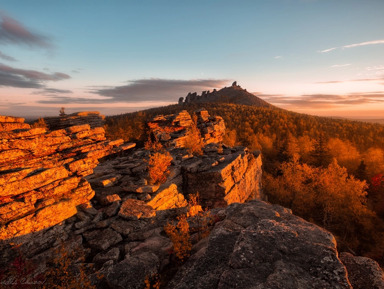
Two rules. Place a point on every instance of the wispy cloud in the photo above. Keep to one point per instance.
(6, 57)
(47, 91)
(144, 90)
(373, 42)
(340, 65)
(14, 32)
(324, 101)
(15, 77)
(351, 80)
(327, 50)
(278, 57)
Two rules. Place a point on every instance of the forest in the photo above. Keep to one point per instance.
(328, 171)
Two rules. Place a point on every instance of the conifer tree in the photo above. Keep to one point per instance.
(321, 156)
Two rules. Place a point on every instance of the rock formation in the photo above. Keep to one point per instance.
(42, 173)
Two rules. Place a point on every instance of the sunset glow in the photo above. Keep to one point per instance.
(311, 56)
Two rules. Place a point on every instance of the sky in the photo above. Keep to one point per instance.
(321, 57)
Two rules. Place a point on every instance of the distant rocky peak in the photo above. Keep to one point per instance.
(233, 94)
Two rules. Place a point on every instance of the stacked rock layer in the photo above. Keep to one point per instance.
(42, 173)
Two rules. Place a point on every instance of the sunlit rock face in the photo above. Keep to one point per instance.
(171, 129)
(42, 173)
(232, 177)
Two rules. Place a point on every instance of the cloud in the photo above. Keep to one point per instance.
(340, 65)
(6, 57)
(15, 77)
(157, 89)
(278, 57)
(72, 100)
(142, 90)
(323, 101)
(52, 91)
(327, 50)
(373, 42)
(13, 32)
(350, 80)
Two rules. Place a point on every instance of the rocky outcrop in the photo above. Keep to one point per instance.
(42, 173)
(233, 177)
(221, 176)
(92, 118)
(172, 129)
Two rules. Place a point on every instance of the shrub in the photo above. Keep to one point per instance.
(64, 273)
(154, 146)
(39, 123)
(180, 237)
(193, 142)
(158, 167)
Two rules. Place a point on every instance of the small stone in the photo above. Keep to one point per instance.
(112, 209)
(102, 239)
(112, 254)
(122, 227)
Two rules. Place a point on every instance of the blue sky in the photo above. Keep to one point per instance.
(323, 57)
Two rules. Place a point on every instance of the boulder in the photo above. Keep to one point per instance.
(259, 245)
(363, 273)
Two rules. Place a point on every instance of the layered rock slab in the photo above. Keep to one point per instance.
(42, 173)
(234, 178)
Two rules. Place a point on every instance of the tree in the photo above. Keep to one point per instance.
(329, 197)
(320, 156)
(346, 154)
(361, 172)
(62, 112)
(376, 194)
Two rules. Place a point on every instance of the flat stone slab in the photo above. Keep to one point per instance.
(102, 239)
(136, 209)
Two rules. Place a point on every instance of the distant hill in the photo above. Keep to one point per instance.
(233, 94)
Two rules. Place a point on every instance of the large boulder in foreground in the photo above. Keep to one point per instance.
(263, 246)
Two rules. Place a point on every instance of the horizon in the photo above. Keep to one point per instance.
(309, 56)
